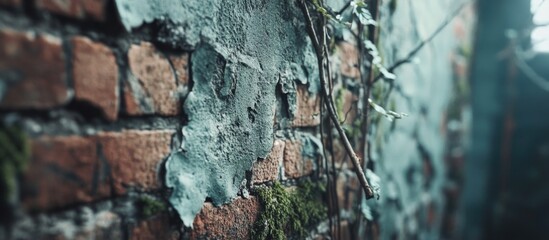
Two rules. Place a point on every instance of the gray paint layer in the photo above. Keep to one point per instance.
(243, 49)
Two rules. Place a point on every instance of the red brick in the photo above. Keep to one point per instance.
(232, 221)
(95, 75)
(61, 172)
(268, 169)
(134, 157)
(181, 67)
(38, 63)
(308, 108)
(348, 54)
(157, 227)
(93, 9)
(131, 102)
(155, 86)
(13, 3)
(432, 214)
(345, 230)
(349, 110)
(295, 165)
(347, 188)
(76, 169)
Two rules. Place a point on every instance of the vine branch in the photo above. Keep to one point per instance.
(367, 80)
(320, 54)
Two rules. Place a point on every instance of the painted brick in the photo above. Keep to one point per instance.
(268, 169)
(34, 69)
(13, 3)
(231, 221)
(348, 55)
(95, 75)
(82, 9)
(75, 169)
(308, 108)
(157, 227)
(151, 86)
(295, 165)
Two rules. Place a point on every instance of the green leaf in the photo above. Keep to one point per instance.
(361, 11)
(376, 60)
(390, 115)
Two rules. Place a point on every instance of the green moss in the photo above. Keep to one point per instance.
(284, 212)
(150, 206)
(14, 156)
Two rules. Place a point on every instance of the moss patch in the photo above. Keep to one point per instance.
(288, 212)
(14, 155)
(150, 206)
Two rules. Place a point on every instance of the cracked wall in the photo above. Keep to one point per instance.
(165, 119)
(242, 50)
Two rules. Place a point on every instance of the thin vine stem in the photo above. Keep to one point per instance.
(367, 82)
(411, 54)
(320, 53)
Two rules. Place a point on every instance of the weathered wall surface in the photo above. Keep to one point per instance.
(418, 159)
(174, 119)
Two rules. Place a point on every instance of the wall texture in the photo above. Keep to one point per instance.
(178, 119)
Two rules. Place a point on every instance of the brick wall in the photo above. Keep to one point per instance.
(101, 110)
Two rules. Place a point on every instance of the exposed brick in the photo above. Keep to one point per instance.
(73, 169)
(349, 60)
(61, 171)
(95, 75)
(295, 165)
(347, 188)
(82, 9)
(308, 108)
(157, 227)
(432, 213)
(340, 155)
(348, 111)
(345, 230)
(181, 67)
(232, 221)
(34, 69)
(268, 169)
(151, 86)
(131, 101)
(134, 157)
(13, 3)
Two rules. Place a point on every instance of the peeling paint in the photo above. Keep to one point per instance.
(243, 49)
